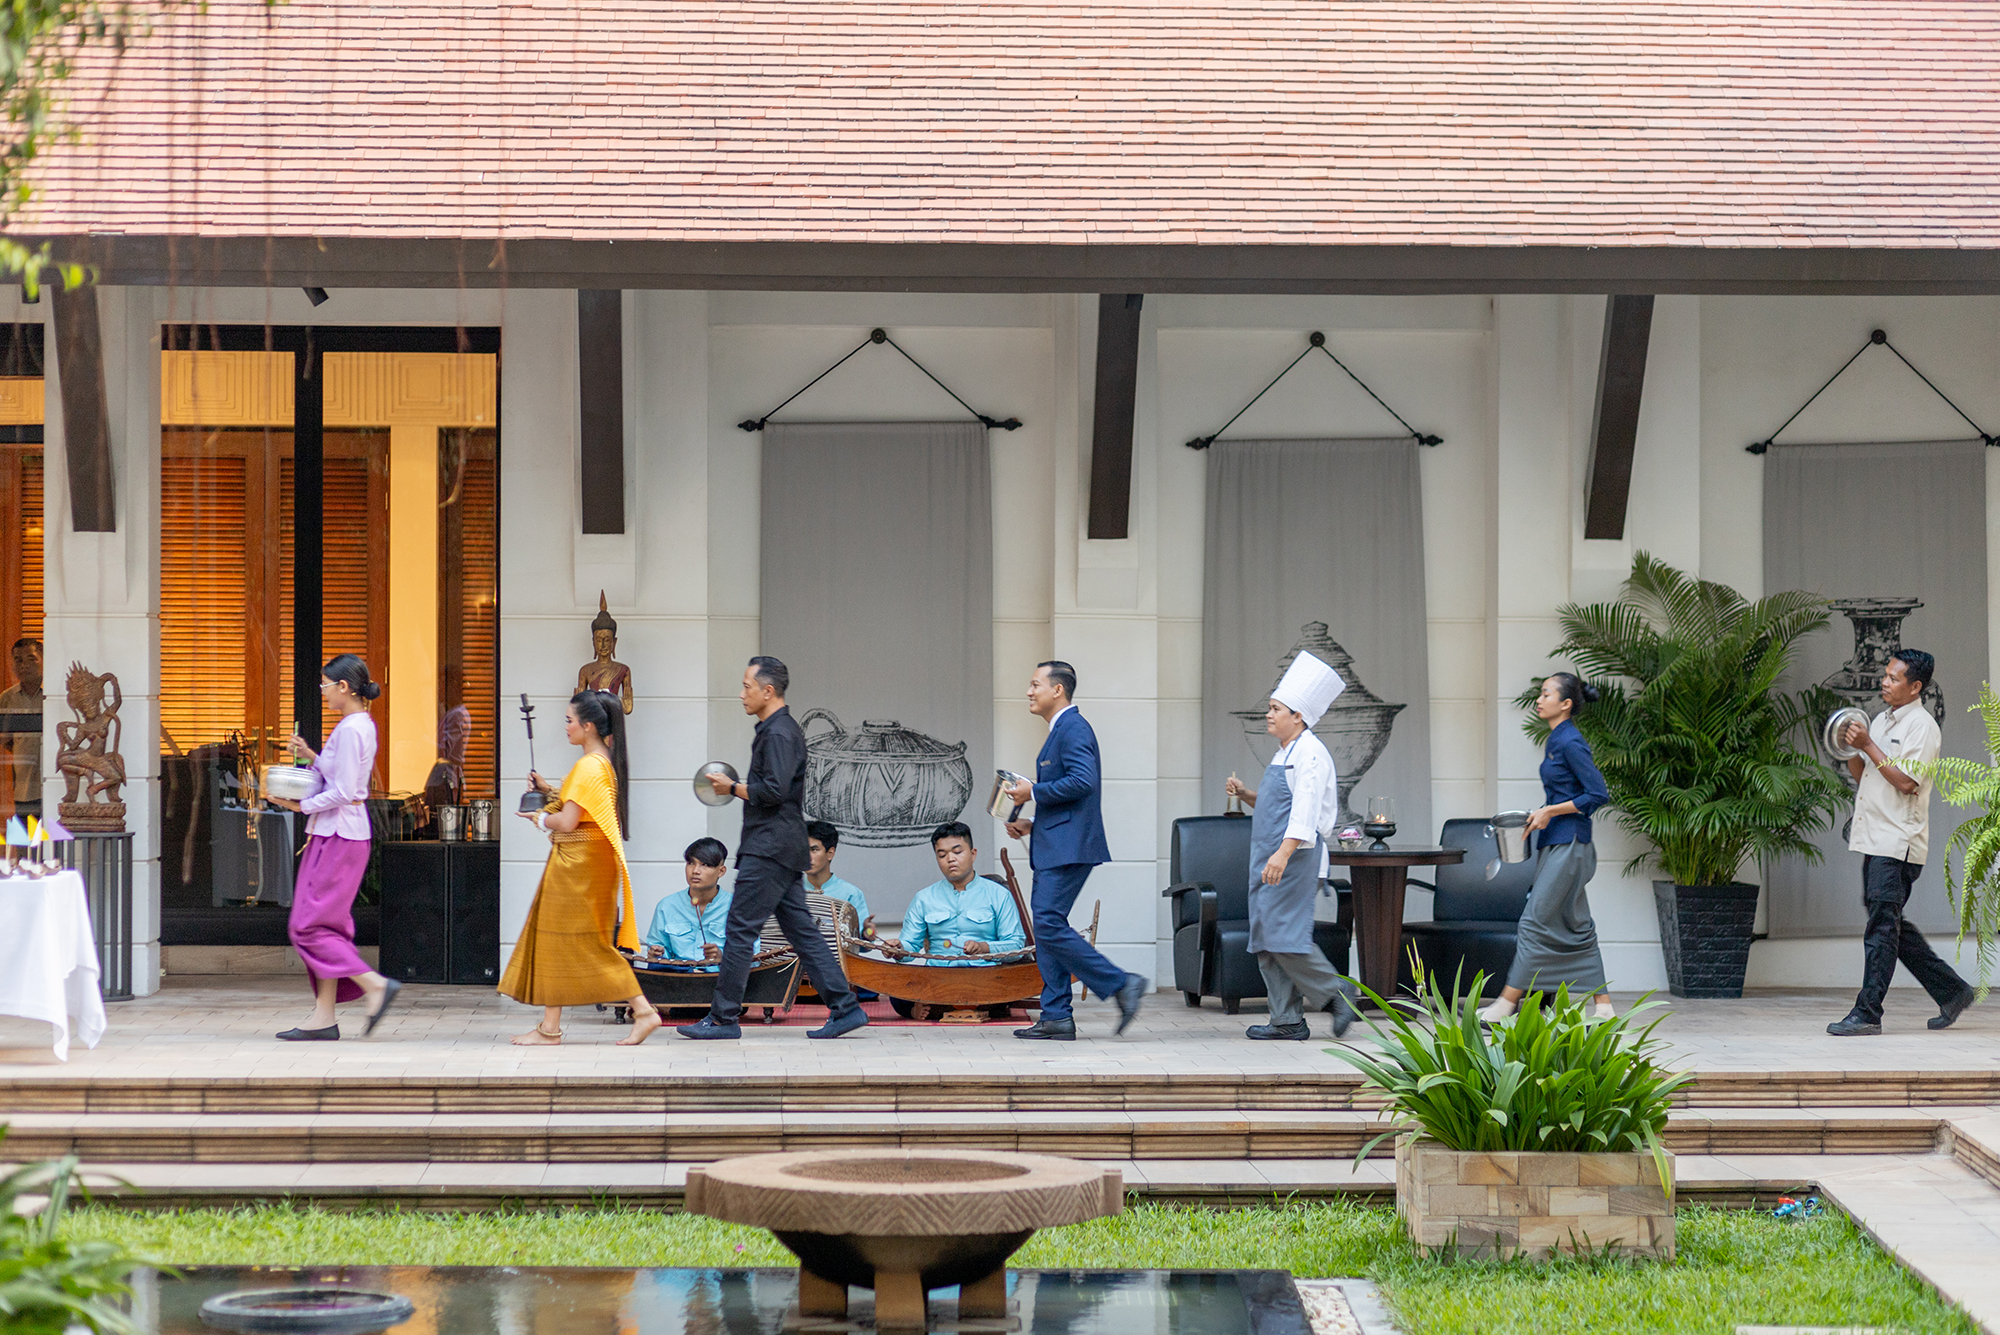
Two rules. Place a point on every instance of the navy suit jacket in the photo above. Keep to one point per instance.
(1069, 817)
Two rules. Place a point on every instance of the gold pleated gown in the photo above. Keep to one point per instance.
(567, 954)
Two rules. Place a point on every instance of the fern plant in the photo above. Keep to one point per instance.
(1698, 745)
(1975, 887)
(48, 1284)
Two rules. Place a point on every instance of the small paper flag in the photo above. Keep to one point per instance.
(17, 833)
(55, 831)
(35, 834)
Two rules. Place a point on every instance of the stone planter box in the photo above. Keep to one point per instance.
(1531, 1204)
(1705, 935)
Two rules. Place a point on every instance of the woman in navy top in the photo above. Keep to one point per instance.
(1557, 941)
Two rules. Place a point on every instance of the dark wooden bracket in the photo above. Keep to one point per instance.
(86, 413)
(1111, 431)
(600, 387)
(1614, 429)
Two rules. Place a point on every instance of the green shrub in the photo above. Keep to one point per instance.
(1550, 1079)
(48, 1283)
(1975, 886)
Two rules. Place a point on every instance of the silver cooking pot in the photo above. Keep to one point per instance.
(291, 783)
(1510, 831)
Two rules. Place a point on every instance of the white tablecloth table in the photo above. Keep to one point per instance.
(48, 957)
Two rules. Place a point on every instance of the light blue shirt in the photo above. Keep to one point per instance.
(682, 932)
(940, 918)
(845, 891)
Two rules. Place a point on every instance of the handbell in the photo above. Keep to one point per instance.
(998, 803)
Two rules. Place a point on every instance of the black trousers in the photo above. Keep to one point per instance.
(765, 889)
(1885, 889)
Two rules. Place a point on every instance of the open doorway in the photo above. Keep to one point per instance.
(322, 491)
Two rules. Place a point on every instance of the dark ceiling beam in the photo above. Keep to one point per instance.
(86, 414)
(600, 388)
(337, 262)
(1614, 428)
(1111, 426)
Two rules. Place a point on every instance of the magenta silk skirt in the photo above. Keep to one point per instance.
(322, 921)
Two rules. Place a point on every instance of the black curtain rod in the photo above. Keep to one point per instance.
(1315, 340)
(882, 336)
(1875, 336)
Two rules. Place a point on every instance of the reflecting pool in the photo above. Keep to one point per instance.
(472, 1300)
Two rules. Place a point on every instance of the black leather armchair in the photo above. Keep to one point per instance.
(1211, 913)
(1474, 920)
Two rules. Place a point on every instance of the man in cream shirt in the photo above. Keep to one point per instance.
(1891, 831)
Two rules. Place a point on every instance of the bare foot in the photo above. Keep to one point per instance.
(643, 1025)
(537, 1037)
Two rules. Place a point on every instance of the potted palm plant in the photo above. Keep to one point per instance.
(1524, 1139)
(1706, 758)
(1975, 886)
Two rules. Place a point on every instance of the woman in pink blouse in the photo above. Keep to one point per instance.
(336, 857)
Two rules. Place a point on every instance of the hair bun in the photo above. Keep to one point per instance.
(370, 690)
(1590, 693)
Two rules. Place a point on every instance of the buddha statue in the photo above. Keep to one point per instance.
(604, 673)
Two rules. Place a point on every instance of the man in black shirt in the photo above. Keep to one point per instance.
(771, 860)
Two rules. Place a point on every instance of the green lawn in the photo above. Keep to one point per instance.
(1733, 1266)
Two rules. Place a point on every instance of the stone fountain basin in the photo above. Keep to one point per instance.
(952, 1216)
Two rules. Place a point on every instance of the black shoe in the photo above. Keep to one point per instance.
(1854, 1026)
(1344, 1013)
(330, 1034)
(1292, 1031)
(1130, 994)
(840, 1024)
(1948, 1013)
(1059, 1031)
(390, 989)
(709, 1027)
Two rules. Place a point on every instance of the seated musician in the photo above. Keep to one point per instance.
(692, 924)
(964, 915)
(822, 839)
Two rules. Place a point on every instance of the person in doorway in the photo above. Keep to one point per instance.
(1295, 809)
(21, 727)
(338, 840)
(771, 860)
(1557, 940)
(1891, 831)
(1065, 843)
(689, 926)
(582, 915)
(822, 841)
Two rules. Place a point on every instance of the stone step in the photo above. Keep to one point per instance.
(1316, 1091)
(1254, 1135)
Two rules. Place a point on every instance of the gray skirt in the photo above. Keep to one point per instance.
(1557, 941)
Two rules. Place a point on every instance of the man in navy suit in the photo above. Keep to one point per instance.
(1066, 841)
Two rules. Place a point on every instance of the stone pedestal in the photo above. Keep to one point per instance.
(1531, 1204)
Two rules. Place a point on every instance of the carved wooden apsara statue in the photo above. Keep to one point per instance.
(604, 673)
(87, 752)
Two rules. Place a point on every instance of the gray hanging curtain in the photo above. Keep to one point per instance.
(1904, 521)
(1327, 533)
(877, 582)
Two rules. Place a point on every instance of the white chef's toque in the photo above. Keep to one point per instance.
(1308, 687)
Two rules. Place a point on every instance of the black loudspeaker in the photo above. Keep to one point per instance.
(441, 912)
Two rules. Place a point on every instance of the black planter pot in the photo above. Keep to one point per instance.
(1705, 933)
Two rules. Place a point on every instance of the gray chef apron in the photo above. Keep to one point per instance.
(1281, 915)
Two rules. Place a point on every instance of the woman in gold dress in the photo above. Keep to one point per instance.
(568, 954)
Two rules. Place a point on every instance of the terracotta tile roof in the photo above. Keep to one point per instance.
(1488, 122)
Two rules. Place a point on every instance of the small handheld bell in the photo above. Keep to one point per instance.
(533, 799)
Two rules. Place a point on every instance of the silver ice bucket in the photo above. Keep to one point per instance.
(1510, 831)
(451, 824)
(998, 804)
(482, 821)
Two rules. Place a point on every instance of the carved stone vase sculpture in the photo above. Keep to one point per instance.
(1355, 730)
(604, 673)
(1878, 634)
(87, 754)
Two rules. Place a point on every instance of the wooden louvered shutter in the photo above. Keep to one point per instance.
(469, 601)
(353, 586)
(31, 548)
(203, 597)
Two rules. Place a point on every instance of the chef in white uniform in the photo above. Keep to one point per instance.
(1296, 806)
